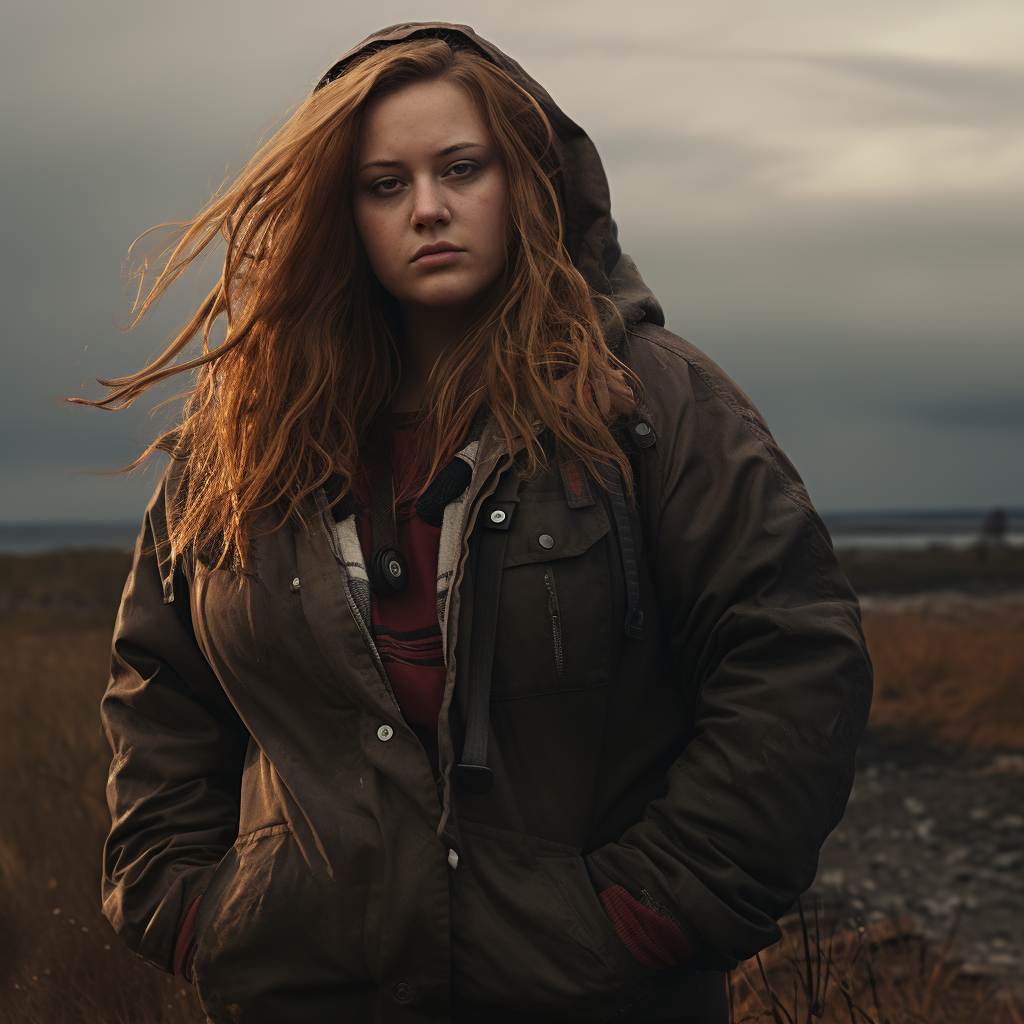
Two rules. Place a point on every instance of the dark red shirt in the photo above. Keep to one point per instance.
(405, 625)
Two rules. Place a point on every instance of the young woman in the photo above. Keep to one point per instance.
(483, 658)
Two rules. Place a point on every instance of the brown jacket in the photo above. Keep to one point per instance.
(260, 758)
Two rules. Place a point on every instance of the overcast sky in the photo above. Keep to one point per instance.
(827, 198)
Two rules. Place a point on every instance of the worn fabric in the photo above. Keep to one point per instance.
(261, 759)
(407, 636)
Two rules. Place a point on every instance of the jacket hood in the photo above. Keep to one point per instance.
(582, 187)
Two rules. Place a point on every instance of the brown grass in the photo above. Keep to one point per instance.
(954, 670)
(60, 961)
(884, 974)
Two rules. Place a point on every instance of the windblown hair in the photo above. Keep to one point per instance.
(312, 349)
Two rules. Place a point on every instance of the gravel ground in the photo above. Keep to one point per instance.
(937, 836)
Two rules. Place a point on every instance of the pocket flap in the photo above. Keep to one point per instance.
(545, 530)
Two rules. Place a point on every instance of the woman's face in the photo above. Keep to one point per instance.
(430, 197)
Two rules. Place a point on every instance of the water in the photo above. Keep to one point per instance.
(953, 528)
(956, 528)
(36, 538)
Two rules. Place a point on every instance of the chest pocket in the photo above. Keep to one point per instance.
(554, 624)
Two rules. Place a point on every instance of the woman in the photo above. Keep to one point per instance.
(483, 658)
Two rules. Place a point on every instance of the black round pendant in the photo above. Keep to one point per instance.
(388, 572)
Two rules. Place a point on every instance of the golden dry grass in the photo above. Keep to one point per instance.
(60, 961)
(885, 974)
(954, 670)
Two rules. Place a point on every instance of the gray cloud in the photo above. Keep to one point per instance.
(938, 92)
(1000, 411)
(878, 328)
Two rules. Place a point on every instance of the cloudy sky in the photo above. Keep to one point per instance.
(827, 198)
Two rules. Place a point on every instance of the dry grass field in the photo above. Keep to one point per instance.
(884, 974)
(954, 670)
(958, 673)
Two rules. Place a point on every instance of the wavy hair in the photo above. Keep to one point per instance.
(312, 350)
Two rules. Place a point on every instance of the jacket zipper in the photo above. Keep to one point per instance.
(357, 615)
(556, 622)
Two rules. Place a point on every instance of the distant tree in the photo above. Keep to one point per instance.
(993, 530)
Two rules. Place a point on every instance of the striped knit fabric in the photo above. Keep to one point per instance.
(655, 940)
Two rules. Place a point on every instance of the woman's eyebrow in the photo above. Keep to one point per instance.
(444, 152)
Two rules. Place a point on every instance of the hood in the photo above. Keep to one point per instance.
(582, 187)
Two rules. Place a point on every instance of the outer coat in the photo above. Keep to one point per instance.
(700, 766)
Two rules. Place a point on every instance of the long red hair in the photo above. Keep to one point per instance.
(312, 346)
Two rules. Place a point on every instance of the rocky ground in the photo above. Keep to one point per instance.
(936, 836)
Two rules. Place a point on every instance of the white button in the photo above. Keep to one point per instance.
(295, 583)
(546, 540)
(497, 516)
(385, 732)
(453, 858)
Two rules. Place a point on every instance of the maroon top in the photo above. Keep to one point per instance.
(405, 626)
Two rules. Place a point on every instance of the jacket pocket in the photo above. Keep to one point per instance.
(555, 613)
(529, 933)
(269, 923)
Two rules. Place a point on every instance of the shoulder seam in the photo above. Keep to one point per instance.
(753, 421)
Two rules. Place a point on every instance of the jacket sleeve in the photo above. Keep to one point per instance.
(765, 635)
(178, 749)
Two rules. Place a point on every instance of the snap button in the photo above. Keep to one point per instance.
(403, 992)
(497, 516)
(394, 568)
(453, 859)
(642, 428)
(385, 732)
(295, 583)
(546, 540)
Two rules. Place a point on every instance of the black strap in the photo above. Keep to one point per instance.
(634, 623)
(495, 517)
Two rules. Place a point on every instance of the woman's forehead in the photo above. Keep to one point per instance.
(423, 119)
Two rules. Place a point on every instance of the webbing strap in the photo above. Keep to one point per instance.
(495, 518)
(634, 622)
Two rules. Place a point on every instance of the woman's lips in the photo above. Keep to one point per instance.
(439, 259)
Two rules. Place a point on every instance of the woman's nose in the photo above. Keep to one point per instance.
(429, 207)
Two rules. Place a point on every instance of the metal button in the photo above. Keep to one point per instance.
(497, 516)
(453, 859)
(394, 568)
(385, 732)
(546, 540)
(403, 992)
(642, 428)
(295, 583)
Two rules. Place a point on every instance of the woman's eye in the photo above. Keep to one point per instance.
(461, 170)
(386, 185)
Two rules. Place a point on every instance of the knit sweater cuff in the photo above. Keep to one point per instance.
(653, 938)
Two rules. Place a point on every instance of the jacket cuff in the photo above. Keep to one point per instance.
(186, 939)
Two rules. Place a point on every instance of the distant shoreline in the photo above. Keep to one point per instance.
(44, 538)
(885, 529)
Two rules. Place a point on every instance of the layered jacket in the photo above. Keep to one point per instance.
(697, 756)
